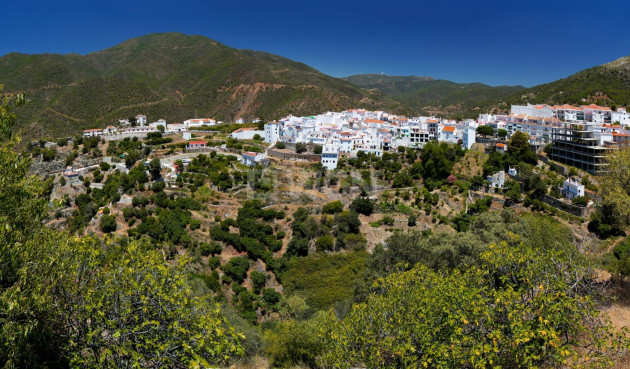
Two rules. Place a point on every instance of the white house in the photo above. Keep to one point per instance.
(512, 171)
(92, 132)
(196, 145)
(448, 134)
(176, 127)
(469, 136)
(198, 122)
(501, 147)
(345, 144)
(621, 116)
(251, 158)
(109, 130)
(246, 133)
(272, 132)
(160, 122)
(138, 129)
(330, 156)
(497, 180)
(572, 187)
(240, 120)
(141, 120)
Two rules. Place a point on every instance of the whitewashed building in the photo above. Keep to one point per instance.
(469, 136)
(251, 158)
(330, 156)
(92, 132)
(272, 132)
(141, 120)
(572, 188)
(497, 180)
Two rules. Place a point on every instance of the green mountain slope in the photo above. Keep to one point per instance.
(171, 76)
(606, 85)
(439, 97)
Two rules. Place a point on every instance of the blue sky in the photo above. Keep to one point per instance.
(495, 42)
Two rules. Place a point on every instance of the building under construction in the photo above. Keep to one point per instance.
(579, 145)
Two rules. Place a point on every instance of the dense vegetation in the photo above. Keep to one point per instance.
(81, 302)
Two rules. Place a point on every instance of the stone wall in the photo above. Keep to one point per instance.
(561, 205)
(313, 158)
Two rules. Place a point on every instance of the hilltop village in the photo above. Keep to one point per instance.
(578, 136)
(283, 220)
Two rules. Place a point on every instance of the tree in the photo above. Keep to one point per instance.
(258, 280)
(501, 314)
(271, 296)
(148, 323)
(451, 179)
(333, 207)
(280, 145)
(363, 205)
(477, 181)
(81, 302)
(485, 130)
(108, 224)
(438, 159)
(155, 167)
(160, 128)
(257, 137)
(402, 179)
(237, 268)
(49, 154)
(614, 209)
(324, 243)
(300, 147)
(317, 149)
(502, 133)
(513, 190)
(518, 144)
(24, 311)
(411, 221)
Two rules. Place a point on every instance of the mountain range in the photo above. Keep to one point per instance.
(606, 85)
(431, 96)
(176, 77)
(171, 76)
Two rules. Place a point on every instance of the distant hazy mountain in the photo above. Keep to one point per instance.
(170, 76)
(438, 97)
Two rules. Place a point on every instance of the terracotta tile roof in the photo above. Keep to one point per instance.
(197, 142)
(448, 129)
(595, 107)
